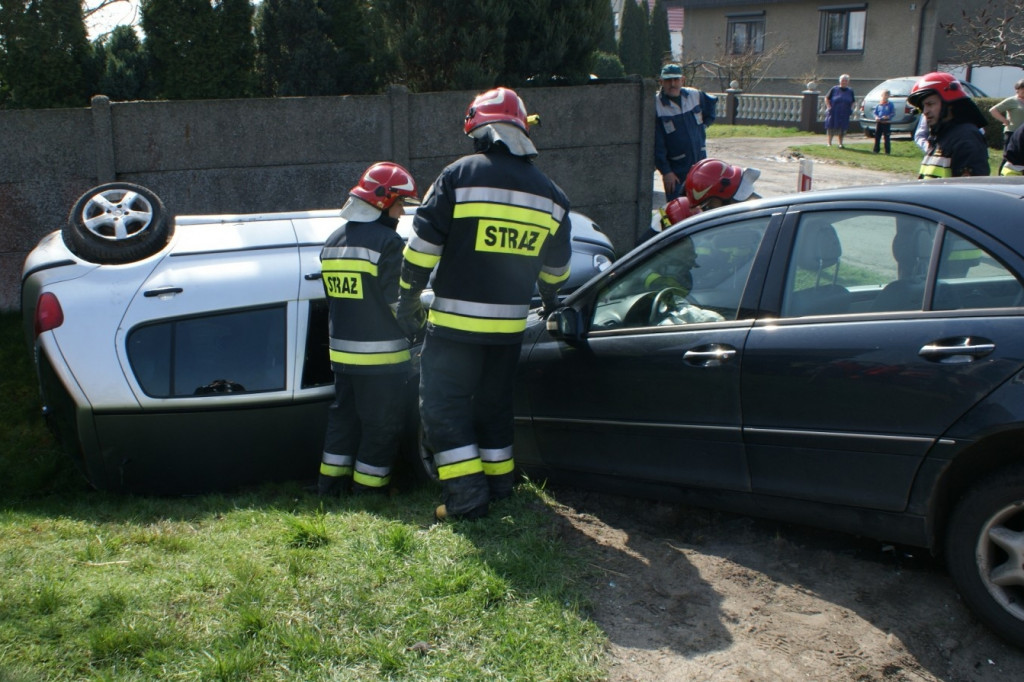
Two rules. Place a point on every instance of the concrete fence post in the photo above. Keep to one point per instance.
(809, 108)
(732, 103)
(645, 89)
(103, 139)
(398, 100)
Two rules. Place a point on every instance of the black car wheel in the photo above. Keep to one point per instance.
(117, 223)
(985, 552)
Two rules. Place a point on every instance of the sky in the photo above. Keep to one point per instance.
(114, 15)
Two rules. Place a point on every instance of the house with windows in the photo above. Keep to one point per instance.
(800, 41)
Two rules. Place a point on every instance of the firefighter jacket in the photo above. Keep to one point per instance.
(679, 132)
(361, 264)
(494, 225)
(955, 148)
(1013, 155)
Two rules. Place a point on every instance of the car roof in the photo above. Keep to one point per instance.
(987, 202)
(908, 82)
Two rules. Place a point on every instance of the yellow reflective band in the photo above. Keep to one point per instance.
(554, 279)
(519, 240)
(343, 358)
(334, 471)
(349, 265)
(370, 481)
(420, 259)
(1010, 171)
(343, 284)
(459, 469)
(504, 212)
(499, 468)
(476, 324)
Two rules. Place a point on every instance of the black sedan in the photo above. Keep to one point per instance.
(849, 359)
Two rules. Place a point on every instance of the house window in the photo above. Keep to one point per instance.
(842, 29)
(746, 33)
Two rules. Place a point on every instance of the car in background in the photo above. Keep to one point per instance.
(905, 116)
(189, 354)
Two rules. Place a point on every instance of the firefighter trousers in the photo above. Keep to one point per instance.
(466, 397)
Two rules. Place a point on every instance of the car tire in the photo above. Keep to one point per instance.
(117, 222)
(985, 551)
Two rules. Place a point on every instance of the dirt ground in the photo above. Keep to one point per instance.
(693, 594)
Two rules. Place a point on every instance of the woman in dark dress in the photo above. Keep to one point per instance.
(839, 104)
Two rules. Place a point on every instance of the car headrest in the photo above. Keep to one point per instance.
(819, 247)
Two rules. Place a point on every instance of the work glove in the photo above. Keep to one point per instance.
(549, 299)
(411, 317)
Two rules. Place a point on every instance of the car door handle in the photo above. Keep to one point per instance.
(956, 350)
(162, 291)
(310, 276)
(711, 355)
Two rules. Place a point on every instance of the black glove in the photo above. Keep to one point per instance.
(411, 317)
(549, 299)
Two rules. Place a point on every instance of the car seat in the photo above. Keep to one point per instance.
(817, 249)
(912, 249)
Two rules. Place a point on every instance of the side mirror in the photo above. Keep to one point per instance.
(566, 324)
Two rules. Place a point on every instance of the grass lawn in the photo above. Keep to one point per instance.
(271, 583)
(905, 158)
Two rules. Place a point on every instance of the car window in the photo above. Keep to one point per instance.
(871, 261)
(698, 278)
(316, 365)
(211, 355)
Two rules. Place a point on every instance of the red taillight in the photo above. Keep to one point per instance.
(48, 313)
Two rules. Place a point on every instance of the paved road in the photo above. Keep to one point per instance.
(780, 169)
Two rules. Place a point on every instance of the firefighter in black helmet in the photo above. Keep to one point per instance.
(493, 225)
(361, 263)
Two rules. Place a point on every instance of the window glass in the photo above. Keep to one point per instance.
(316, 366)
(857, 261)
(698, 278)
(210, 355)
(842, 30)
(746, 35)
(970, 277)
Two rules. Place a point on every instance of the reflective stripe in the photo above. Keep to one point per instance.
(965, 254)
(475, 309)
(1012, 169)
(934, 166)
(421, 245)
(390, 352)
(371, 476)
(458, 462)
(472, 324)
(497, 461)
(345, 265)
(509, 197)
(418, 258)
(350, 253)
(554, 275)
(527, 216)
(336, 466)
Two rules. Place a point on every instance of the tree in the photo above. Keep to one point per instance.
(125, 67)
(200, 51)
(608, 43)
(44, 54)
(446, 44)
(553, 40)
(661, 41)
(633, 43)
(314, 47)
(747, 68)
(991, 36)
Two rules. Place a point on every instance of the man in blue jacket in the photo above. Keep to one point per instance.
(679, 133)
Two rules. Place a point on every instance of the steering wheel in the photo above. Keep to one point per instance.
(664, 303)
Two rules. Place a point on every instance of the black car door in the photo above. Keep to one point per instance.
(892, 324)
(652, 392)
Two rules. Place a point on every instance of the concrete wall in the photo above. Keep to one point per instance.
(283, 154)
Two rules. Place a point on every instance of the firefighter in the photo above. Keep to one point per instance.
(956, 147)
(712, 183)
(675, 211)
(361, 264)
(493, 225)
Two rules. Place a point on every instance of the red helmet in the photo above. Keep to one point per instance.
(383, 183)
(677, 210)
(711, 178)
(500, 105)
(945, 85)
